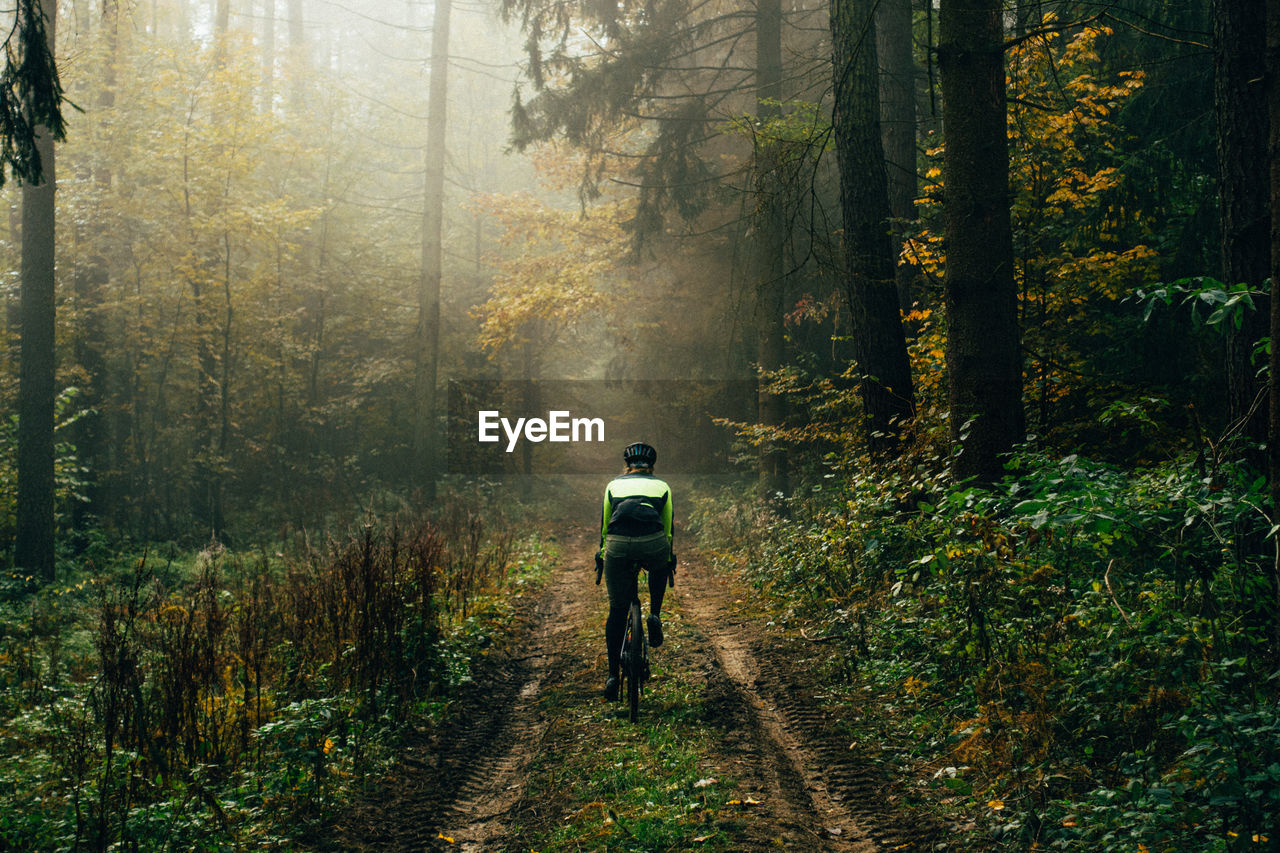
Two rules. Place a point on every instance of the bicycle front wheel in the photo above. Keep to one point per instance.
(635, 649)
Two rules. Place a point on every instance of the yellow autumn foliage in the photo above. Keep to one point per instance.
(1074, 240)
(550, 268)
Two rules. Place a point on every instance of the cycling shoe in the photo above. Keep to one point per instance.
(655, 631)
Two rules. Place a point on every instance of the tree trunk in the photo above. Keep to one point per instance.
(34, 548)
(984, 365)
(931, 122)
(879, 344)
(223, 444)
(268, 53)
(80, 17)
(425, 434)
(205, 483)
(771, 241)
(1273, 438)
(1241, 111)
(898, 126)
(183, 19)
(297, 56)
(13, 303)
(92, 278)
(531, 399)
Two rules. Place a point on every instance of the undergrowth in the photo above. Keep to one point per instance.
(1086, 656)
(231, 700)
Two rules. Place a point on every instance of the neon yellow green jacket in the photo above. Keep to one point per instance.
(654, 491)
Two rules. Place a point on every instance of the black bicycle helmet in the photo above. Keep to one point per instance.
(640, 455)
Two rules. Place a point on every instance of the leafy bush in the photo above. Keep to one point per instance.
(230, 701)
(69, 473)
(1097, 647)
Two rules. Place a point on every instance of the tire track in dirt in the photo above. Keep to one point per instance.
(455, 789)
(844, 792)
(770, 770)
(465, 786)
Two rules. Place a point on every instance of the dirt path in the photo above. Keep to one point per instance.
(825, 783)
(456, 789)
(468, 787)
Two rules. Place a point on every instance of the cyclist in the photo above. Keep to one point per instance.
(635, 532)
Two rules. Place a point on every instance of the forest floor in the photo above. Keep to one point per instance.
(738, 746)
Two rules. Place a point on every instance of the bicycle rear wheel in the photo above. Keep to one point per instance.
(635, 663)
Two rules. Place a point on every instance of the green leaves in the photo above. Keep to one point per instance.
(1098, 640)
(1210, 302)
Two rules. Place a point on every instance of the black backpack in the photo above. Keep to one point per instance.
(635, 515)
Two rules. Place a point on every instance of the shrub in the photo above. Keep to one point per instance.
(1097, 646)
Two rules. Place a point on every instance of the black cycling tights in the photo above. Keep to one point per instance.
(615, 627)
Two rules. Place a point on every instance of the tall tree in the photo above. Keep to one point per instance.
(984, 364)
(770, 245)
(427, 358)
(879, 343)
(675, 72)
(30, 91)
(898, 121)
(34, 548)
(90, 284)
(1273, 159)
(297, 56)
(1239, 38)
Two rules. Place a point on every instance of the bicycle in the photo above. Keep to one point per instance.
(635, 648)
(635, 660)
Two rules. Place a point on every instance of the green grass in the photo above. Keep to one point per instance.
(603, 783)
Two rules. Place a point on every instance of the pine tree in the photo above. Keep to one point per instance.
(879, 342)
(34, 547)
(984, 363)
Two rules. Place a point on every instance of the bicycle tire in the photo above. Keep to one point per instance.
(635, 640)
